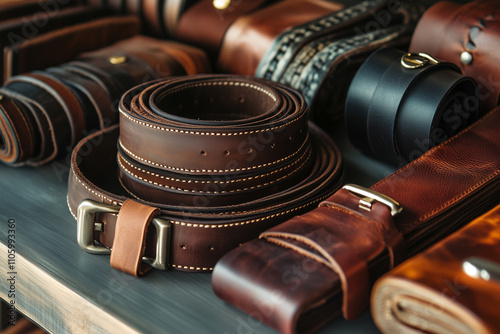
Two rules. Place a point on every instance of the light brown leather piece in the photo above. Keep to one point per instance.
(251, 35)
(130, 237)
(432, 293)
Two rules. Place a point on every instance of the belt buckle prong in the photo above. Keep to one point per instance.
(86, 225)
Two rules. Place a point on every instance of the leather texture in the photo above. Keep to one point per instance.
(192, 26)
(301, 274)
(397, 113)
(159, 18)
(223, 158)
(251, 35)
(15, 30)
(128, 249)
(152, 14)
(472, 28)
(432, 292)
(319, 58)
(38, 52)
(18, 8)
(44, 112)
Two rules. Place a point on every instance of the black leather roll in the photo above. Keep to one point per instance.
(400, 105)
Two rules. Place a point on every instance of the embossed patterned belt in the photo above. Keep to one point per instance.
(212, 161)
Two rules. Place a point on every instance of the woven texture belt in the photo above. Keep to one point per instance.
(222, 157)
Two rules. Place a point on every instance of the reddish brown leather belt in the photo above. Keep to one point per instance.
(300, 274)
(466, 35)
(44, 113)
(217, 159)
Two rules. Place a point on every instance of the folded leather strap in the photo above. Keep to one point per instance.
(400, 105)
(192, 26)
(57, 47)
(467, 36)
(16, 30)
(13, 123)
(197, 148)
(300, 274)
(57, 113)
(93, 99)
(61, 105)
(323, 69)
(251, 35)
(451, 288)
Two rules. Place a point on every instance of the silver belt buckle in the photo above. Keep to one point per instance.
(86, 225)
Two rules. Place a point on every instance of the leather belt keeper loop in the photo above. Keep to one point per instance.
(401, 105)
(223, 157)
(129, 243)
(466, 35)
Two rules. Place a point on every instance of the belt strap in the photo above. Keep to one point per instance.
(282, 51)
(400, 105)
(222, 157)
(53, 109)
(323, 68)
(440, 191)
(192, 25)
(251, 35)
(465, 35)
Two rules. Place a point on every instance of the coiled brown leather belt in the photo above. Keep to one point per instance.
(222, 157)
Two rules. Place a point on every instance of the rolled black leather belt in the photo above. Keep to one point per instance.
(222, 157)
(400, 105)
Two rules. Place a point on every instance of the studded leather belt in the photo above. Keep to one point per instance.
(211, 160)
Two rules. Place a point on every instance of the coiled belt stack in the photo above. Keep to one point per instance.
(222, 157)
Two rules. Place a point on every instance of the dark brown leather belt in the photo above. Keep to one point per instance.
(300, 274)
(222, 157)
(44, 113)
